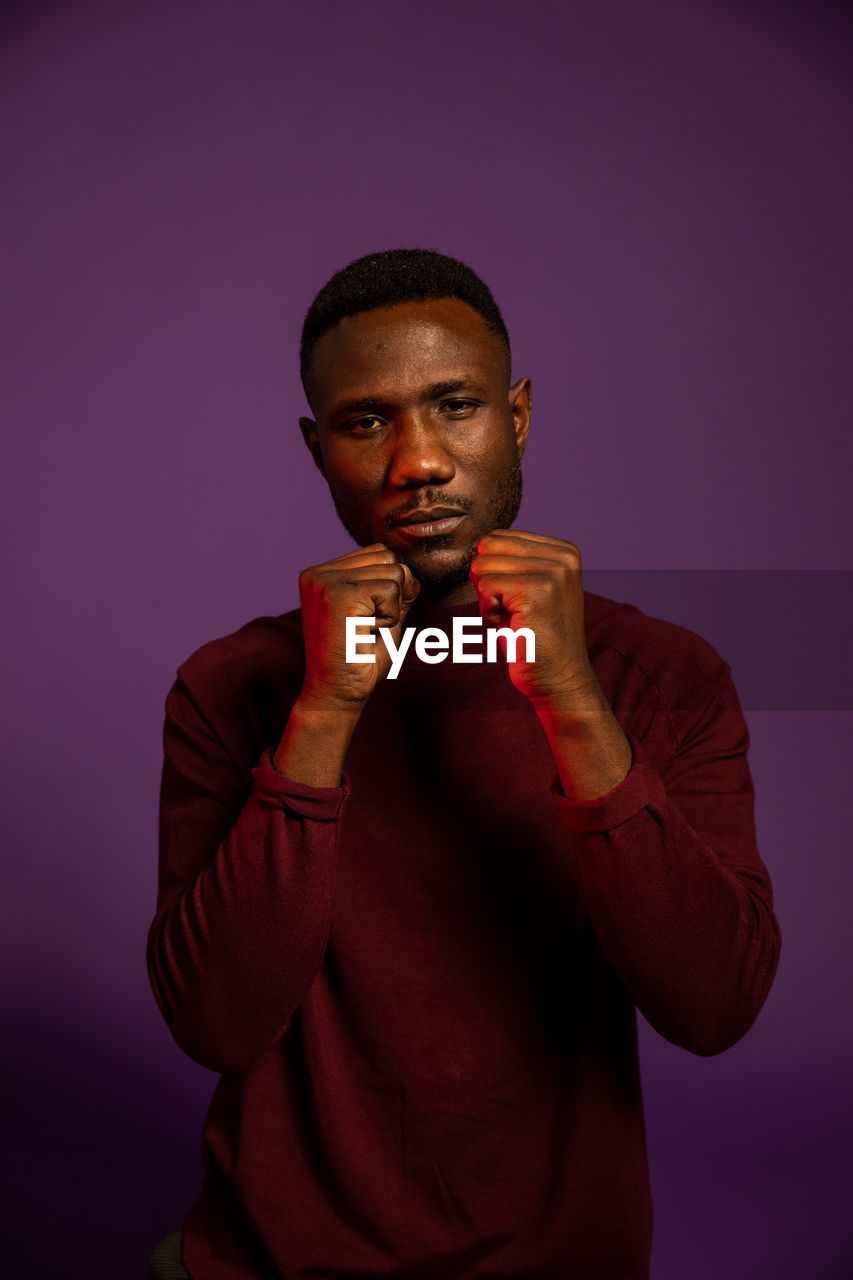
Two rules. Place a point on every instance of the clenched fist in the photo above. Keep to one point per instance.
(530, 580)
(366, 583)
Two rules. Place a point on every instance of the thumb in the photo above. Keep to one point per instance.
(410, 593)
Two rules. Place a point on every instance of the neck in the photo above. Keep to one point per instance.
(437, 606)
(446, 597)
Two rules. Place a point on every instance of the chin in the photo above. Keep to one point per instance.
(433, 567)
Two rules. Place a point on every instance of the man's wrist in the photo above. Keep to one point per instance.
(315, 711)
(315, 742)
(572, 708)
(590, 750)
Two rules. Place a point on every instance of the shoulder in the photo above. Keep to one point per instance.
(240, 685)
(666, 651)
(651, 660)
(247, 653)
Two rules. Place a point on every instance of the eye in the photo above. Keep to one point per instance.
(362, 422)
(460, 407)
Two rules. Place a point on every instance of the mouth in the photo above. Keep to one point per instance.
(430, 522)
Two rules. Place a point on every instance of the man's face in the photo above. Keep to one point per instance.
(413, 410)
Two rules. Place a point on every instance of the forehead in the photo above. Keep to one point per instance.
(395, 350)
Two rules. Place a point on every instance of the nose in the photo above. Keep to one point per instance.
(418, 455)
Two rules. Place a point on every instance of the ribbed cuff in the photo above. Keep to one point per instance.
(276, 789)
(641, 787)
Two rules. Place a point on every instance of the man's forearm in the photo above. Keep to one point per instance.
(590, 750)
(315, 741)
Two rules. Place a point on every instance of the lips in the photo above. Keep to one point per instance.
(428, 522)
(427, 515)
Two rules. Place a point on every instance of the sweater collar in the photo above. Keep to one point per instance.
(425, 613)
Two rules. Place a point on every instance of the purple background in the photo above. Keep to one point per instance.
(660, 196)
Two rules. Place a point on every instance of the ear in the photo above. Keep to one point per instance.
(521, 407)
(308, 427)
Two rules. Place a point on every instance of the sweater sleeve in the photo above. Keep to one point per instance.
(245, 883)
(672, 880)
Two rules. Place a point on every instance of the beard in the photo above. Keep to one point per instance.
(433, 570)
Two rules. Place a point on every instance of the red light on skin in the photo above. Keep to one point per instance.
(433, 645)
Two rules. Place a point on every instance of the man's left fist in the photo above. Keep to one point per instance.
(528, 580)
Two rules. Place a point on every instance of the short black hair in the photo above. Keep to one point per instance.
(387, 278)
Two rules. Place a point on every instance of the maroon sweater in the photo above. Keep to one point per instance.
(420, 987)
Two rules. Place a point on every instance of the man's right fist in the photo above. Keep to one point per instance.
(366, 583)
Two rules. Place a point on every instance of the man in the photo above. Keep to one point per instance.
(410, 919)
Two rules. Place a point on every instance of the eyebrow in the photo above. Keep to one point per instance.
(434, 391)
